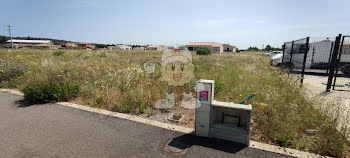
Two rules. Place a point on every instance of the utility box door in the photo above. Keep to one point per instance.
(203, 113)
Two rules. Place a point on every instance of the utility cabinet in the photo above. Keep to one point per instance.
(222, 120)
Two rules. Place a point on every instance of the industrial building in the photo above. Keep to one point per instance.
(18, 43)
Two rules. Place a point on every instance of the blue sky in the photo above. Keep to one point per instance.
(242, 23)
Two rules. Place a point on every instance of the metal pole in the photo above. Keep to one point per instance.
(10, 35)
(337, 63)
(333, 62)
(304, 62)
(291, 55)
(284, 48)
(330, 56)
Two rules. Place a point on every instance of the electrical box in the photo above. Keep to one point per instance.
(227, 121)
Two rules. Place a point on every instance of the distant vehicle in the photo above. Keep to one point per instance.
(318, 57)
(277, 59)
(272, 53)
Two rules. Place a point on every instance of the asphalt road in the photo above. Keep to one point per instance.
(51, 130)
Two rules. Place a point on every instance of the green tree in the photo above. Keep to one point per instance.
(268, 47)
(2, 40)
(253, 48)
(101, 46)
(203, 51)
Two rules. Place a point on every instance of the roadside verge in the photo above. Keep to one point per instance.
(253, 144)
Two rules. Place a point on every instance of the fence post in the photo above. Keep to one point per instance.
(284, 48)
(304, 62)
(291, 55)
(337, 63)
(333, 62)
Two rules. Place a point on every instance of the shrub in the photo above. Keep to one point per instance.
(46, 91)
(58, 53)
(9, 71)
(203, 51)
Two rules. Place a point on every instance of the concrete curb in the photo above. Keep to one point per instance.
(129, 117)
(253, 144)
(284, 151)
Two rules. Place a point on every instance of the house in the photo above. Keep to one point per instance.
(215, 47)
(123, 47)
(110, 47)
(139, 48)
(26, 43)
(156, 47)
(229, 48)
(86, 45)
(66, 45)
(346, 48)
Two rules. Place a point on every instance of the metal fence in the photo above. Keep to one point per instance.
(295, 55)
(326, 59)
(341, 78)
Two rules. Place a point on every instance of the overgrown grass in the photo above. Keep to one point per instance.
(283, 112)
(58, 53)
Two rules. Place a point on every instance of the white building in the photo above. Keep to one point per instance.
(123, 47)
(31, 42)
(139, 48)
(17, 43)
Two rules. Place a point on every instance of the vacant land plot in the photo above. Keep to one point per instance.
(283, 113)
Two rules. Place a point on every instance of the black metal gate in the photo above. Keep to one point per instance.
(308, 56)
(339, 71)
(324, 60)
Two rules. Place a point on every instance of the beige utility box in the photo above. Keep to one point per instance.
(227, 121)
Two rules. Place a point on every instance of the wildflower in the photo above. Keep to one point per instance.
(240, 95)
(1, 70)
(20, 57)
(263, 104)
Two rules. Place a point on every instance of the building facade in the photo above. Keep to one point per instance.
(156, 47)
(139, 48)
(17, 43)
(215, 47)
(123, 47)
(66, 45)
(50, 46)
(86, 45)
(110, 47)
